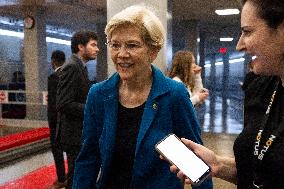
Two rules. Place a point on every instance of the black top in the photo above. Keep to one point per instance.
(125, 144)
(271, 170)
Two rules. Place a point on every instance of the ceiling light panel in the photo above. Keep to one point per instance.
(227, 12)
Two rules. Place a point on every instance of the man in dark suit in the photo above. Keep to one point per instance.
(57, 60)
(71, 96)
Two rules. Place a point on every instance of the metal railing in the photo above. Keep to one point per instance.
(19, 97)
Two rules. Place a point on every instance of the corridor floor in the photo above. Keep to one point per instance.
(220, 128)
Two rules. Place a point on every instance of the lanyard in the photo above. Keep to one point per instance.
(260, 151)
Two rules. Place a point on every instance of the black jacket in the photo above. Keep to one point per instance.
(71, 96)
(51, 103)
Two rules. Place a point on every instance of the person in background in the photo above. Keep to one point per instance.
(186, 71)
(71, 96)
(18, 77)
(258, 150)
(126, 115)
(57, 60)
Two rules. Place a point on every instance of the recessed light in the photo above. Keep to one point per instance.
(226, 39)
(227, 11)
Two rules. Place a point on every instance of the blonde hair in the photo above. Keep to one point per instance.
(182, 66)
(152, 30)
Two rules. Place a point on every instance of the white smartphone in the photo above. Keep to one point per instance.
(174, 150)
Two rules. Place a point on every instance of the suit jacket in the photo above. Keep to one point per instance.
(167, 110)
(51, 103)
(71, 96)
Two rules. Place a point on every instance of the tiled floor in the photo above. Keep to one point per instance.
(20, 168)
(220, 143)
(221, 121)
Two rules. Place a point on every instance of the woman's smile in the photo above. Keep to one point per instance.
(125, 65)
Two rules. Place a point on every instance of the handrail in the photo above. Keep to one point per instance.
(4, 97)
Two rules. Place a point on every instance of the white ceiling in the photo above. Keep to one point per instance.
(78, 14)
(204, 10)
(60, 10)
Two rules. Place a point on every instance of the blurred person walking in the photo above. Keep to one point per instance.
(57, 60)
(72, 92)
(185, 70)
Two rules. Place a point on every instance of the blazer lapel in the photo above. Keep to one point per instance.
(159, 87)
(150, 111)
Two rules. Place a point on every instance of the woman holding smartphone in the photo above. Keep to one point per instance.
(259, 149)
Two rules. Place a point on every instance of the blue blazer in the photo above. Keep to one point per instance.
(167, 110)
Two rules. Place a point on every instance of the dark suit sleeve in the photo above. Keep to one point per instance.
(51, 103)
(67, 91)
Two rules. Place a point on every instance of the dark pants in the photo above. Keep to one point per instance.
(57, 153)
(72, 151)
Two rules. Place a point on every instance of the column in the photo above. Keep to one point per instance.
(225, 90)
(191, 36)
(185, 34)
(158, 7)
(201, 53)
(35, 60)
(169, 44)
(178, 37)
(102, 65)
(212, 92)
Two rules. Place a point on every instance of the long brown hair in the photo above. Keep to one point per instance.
(181, 67)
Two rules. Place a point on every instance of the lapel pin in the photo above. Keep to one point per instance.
(155, 106)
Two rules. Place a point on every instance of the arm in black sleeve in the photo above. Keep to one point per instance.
(67, 90)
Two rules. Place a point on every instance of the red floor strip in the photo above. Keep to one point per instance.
(18, 139)
(38, 179)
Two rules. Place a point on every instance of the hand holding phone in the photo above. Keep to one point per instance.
(178, 154)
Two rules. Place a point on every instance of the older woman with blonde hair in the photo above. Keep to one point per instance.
(126, 115)
(186, 71)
